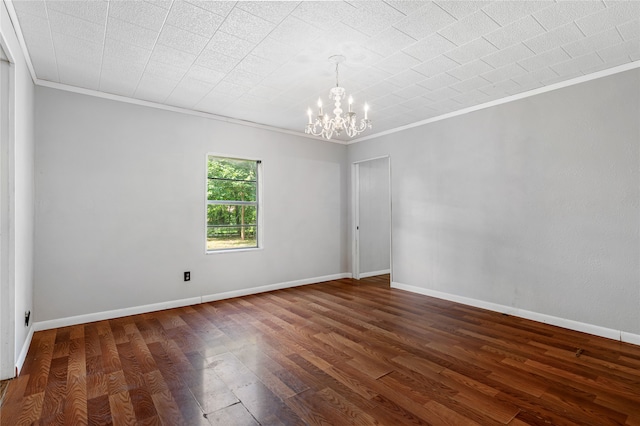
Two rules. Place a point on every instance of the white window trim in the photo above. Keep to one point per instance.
(260, 194)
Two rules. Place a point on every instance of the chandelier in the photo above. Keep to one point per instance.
(325, 126)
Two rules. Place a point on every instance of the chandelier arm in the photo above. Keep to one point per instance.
(311, 130)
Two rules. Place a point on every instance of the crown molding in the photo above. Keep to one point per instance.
(18, 31)
(512, 98)
(125, 99)
(90, 92)
(61, 86)
(560, 85)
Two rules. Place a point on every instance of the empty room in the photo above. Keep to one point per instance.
(319, 212)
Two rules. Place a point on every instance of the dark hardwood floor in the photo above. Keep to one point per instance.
(337, 353)
(3, 388)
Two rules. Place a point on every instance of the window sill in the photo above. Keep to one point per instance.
(238, 250)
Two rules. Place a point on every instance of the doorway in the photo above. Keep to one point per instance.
(372, 217)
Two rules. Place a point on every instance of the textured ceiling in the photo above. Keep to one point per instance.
(266, 62)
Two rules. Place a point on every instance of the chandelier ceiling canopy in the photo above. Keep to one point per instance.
(324, 125)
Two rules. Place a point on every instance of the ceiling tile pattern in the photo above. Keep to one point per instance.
(266, 61)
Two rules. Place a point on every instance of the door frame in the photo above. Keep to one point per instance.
(355, 217)
(7, 215)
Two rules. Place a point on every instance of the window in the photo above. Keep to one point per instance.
(233, 206)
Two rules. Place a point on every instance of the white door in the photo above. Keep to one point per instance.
(372, 214)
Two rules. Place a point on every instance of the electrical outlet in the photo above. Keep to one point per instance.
(187, 276)
(27, 316)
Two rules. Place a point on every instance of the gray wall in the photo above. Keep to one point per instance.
(531, 204)
(21, 186)
(120, 206)
(375, 221)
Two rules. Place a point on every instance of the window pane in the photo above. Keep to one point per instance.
(229, 190)
(227, 168)
(229, 237)
(231, 215)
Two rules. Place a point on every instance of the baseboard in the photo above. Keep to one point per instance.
(272, 287)
(25, 348)
(374, 273)
(134, 310)
(116, 313)
(630, 338)
(534, 316)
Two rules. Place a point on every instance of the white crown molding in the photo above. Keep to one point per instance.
(18, 31)
(61, 86)
(582, 327)
(125, 99)
(512, 98)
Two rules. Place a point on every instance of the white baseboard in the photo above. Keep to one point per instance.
(25, 348)
(535, 316)
(374, 273)
(630, 338)
(100, 316)
(272, 287)
(134, 310)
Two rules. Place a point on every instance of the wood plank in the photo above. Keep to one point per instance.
(99, 411)
(30, 410)
(142, 403)
(53, 403)
(12, 401)
(121, 407)
(167, 408)
(39, 368)
(354, 414)
(75, 407)
(77, 368)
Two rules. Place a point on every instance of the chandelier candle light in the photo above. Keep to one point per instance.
(325, 126)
